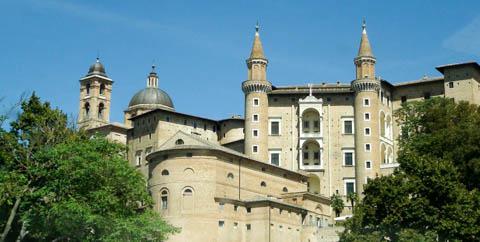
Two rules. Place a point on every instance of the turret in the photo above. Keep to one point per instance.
(256, 88)
(95, 95)
(367, 138)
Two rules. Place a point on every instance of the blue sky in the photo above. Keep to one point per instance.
(200, 47)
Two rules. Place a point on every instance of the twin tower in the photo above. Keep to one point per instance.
(366, 87)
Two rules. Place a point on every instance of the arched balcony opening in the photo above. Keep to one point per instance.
(388, 127)
(383, 154)
(313, 184)
(389, 155)
(310, 156)
(311, 122)
(382, 124)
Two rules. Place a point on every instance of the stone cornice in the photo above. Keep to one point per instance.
(365, 85)
(256, 86)
(370, 59)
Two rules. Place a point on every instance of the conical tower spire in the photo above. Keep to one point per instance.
(257, 49)
(365, 48)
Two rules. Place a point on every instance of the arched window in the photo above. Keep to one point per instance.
(87, 88)
(188, 171)
(187, 192)
(164, 199)
(102, 89)
(179, 142)
(101, 108)
(87, 109)
(165, 173)
(230, 176)
(187, 199)
(263, 184)
(285, 189)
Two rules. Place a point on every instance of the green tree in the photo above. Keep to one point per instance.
(353, 198)
(58, 184)
(337, 204)
(434, 193)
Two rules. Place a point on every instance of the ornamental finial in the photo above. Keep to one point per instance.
(364, 26)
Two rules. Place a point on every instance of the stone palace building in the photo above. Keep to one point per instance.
(269, 175)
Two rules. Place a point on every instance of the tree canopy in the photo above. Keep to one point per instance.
(57, 184)
(434, 192)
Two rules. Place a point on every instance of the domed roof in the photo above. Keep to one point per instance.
(97, 69)
(152, 96)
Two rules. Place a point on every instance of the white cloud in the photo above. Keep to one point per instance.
(466, 40)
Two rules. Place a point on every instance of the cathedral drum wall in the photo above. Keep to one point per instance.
(254, 183)
(190, 185)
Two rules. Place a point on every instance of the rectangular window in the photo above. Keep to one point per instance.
(368, 164)
(349, 186)
(274, 126)
(249, 210)
(348, 159)
(366, 102)
(450, 84)
(235, 208)
(255, 149)
(368, 147)
(255, 118)
(305, 155)
(256, 102)
(306, 125)
(255, 132)
(249, 226)
(316, 158)
(367, 131)
(138, 158)
(348, 126)
(275, 158)
(235, 225)
(367, 116)
(404, 99)
(316, 126)
(221, 223)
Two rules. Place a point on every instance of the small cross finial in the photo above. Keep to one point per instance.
(310, 88)
(364, 26)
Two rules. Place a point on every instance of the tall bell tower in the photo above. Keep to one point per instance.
(367, 138)
(95, 96)
(256, 88)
